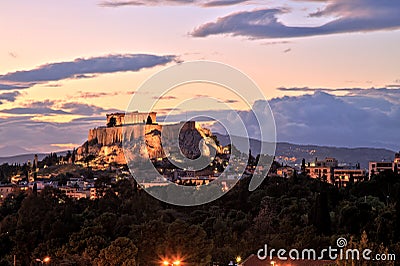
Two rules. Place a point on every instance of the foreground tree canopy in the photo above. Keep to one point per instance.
(132, 228)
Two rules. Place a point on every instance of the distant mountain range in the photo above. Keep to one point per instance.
(292, 154)
(12, 150)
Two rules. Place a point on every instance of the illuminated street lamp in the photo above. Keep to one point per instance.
(238, 259)
(45, 260)
(177, 262)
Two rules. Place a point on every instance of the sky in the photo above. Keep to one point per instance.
(329, 69)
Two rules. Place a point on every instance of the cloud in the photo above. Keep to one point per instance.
(90, 119)
(90, 95)
(65, 145)
(202, 3)
(349, 16)
(169, 97)
(276, 43)
(84, 76)
(11, 150)
(218, 3)
(33, 111)
(361, 118)
(8, 86)
(12, 54)
(230, 101)
(80, 68)
(307, 89)
(389, 94)
(37, 137)
(52, 85)
(83, 108)
(367, 118)
(49, 107)
(9, 96)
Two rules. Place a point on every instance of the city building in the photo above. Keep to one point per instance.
(397, 157)
(197, 180)
(343, 176)
(328, 170)
(375, 168)
(6, 190)
(322, 169)
(285, 171)
(328, 162)
(75, 193)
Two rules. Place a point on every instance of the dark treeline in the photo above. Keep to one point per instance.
(9, 170)
(132, 228)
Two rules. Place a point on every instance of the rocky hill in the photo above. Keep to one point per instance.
(105, 144)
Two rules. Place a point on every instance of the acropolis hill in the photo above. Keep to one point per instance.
(105, 143)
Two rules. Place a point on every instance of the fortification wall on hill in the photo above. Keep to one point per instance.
(106, 142)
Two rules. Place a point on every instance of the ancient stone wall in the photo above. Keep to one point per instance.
(106, 142)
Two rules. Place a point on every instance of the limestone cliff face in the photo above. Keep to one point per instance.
(105, 135)
(145, 141)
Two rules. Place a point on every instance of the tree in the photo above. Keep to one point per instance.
(73, 156)
(149, 121)
(121, 252)
(35, 189)
(320, 216)
(187, 241)
(112, 122)
(3, 177)
(88, 159)
(397, 225)
(351, 180)
(69, 154)
(34, 166)
(303, 165)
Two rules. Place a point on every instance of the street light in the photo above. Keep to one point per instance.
(45, 260)
(238, 259)
(177, 262)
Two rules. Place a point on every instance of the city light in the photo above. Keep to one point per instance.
(45, 260)
(238, 259)
(176, 262)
